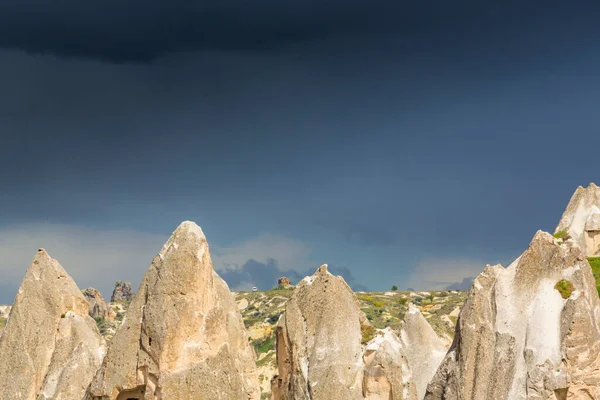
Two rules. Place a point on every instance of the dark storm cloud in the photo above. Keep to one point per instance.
(138, 30)
(465, 284)
(265, 275)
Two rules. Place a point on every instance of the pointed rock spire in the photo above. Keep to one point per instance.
(326, 349)
(182, 336)
(581, 219)
(51, 347)
(423, 347)
(528, 331)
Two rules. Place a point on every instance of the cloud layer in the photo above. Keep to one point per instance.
(99, 258)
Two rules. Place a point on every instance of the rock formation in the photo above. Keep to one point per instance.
(387, 373)
(530, 331)
(122, 292)
(284, 282)
(182, 337)
(319, 350)
(581, 219)
(423, 348)
(96, 303)
(51, 347)
(4, 311)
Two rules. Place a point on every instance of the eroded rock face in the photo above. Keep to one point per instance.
(96, 303)
(319, 350)
(122, 292)
(51, 347)
(387, 374)
(182, 336)
(518, 338)
(423, 348)
(581, 219)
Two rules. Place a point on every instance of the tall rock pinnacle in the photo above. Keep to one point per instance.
(530, 331)
(182, 336)
(327, 350)
(581, 219)
(51, 347)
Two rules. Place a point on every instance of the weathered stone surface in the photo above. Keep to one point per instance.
(182, 336)
(4, 311)
(387, 374)
(581, 219)
(284, 282)
(51, 347)
(97, 305)
(122, 292)
(423, 348)
(518, 338)
(319, 350)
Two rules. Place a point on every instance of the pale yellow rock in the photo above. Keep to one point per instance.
(319, 350)
(182, 337)
(424, 349)
(518, 338)
(581, 219)
(51, 347)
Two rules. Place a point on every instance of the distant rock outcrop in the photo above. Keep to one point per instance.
(581, 219)
(122, 292)
(183, 336)
(96, 303)
(51, 347)
(530, 331)
(319, 350)
(284, 282)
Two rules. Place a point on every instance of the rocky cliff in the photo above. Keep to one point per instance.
(530, 331)
(182, 336)
(51, 347)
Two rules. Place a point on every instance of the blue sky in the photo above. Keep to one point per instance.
(409, 151)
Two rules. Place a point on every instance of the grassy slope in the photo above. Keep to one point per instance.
(595, 264)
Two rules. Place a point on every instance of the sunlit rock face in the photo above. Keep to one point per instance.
(50, 347)
(581, 219)
(183, 336)
(326, 348)
(529, 331)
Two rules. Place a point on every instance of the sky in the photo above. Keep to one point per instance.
(402, 143)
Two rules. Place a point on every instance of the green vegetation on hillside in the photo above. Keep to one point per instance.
(595, 264)
(368, 333)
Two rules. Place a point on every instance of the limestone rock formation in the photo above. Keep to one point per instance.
(51, 347)
(423, 348)
(581, 219)
(387, 373)
(122, 292)
(96, 303)
(5, 311)
(530, 331)
(319, 350)
(183, 336)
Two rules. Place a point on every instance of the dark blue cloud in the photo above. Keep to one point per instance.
(265, 275)
(143, 30)
(465, 284)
